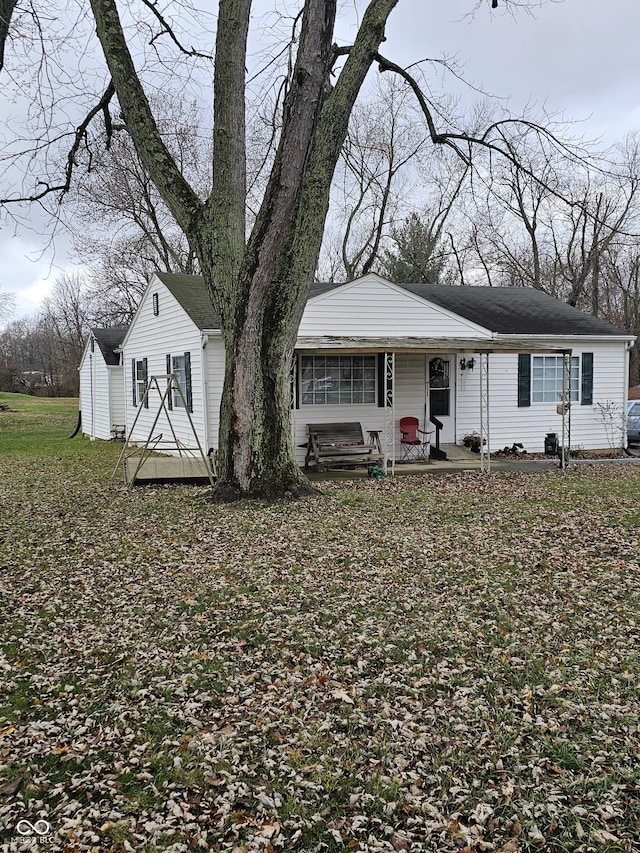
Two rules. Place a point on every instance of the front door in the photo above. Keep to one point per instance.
(441, 397)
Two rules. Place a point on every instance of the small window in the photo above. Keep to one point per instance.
(141, 379)
(546, 378)
(180, 367)
(179, 370)
(156, 304)
(341, 380)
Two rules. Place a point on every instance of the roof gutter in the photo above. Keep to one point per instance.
(629, 339)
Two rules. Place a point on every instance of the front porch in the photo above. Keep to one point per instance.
(443, 383)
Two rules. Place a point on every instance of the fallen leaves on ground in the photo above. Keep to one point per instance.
(442, 663)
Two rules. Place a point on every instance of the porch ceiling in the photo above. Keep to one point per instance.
(437, 345)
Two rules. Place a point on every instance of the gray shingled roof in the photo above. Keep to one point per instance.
(514, 310)
(193, 296)
(108, 340)
(504, 310)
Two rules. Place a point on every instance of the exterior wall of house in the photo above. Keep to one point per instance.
(372, 307)
(591, 429)
(152, 337)
(85, 393)
(95, 395)
(214, 373)
(528, 425)
(368, 308)
(116, 395)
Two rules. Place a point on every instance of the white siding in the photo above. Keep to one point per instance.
(372, 307)
(214, 357)
(116, 395)
(368, 308)
(101, 391)
(86, 385)
(153, 337)
(95, 395)
(529, 425)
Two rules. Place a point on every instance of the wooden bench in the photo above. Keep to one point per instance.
(342, 445)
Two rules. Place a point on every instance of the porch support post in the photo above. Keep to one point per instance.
(485, 432)
(389, 409)
(565, 410)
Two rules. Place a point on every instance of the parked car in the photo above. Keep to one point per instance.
(633, 421)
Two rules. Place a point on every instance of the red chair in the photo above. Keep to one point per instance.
(415, 442)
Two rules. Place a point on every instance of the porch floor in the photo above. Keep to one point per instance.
(459, 458)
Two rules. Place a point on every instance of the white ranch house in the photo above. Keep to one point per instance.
(469, 359)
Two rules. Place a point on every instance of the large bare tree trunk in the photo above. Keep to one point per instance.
(263, 305)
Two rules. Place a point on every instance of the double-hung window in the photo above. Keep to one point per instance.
(180, 367)
(139, 380)
(541, 380)
(337, 379)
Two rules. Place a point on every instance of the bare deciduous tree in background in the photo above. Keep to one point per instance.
(42, 353)
(123, 231)
(7, 305)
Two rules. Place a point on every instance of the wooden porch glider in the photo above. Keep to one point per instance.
(342, 445)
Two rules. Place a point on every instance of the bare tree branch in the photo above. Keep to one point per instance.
(178, 194)
(167, 29)
(80, 138)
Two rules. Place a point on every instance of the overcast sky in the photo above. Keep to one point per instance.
(578, 58)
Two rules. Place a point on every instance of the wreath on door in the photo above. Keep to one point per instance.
(438, 373)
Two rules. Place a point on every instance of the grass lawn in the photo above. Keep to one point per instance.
(443, 664)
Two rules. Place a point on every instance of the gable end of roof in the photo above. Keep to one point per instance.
(108, 341)
(193, 297)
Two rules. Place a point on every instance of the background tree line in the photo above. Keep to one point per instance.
(568, 224)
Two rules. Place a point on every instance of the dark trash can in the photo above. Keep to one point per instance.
(551, 443)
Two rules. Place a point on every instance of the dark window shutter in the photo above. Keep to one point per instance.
(170, 394)
(587, 379)
(524, 380)
(146, 381)
(187, 373)
(133, 381)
